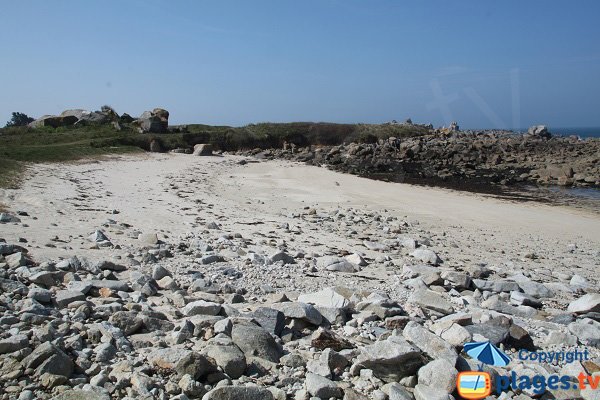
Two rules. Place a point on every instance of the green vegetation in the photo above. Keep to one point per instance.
(19, 119)
(22, 145)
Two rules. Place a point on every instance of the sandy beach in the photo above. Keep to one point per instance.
(250, 263)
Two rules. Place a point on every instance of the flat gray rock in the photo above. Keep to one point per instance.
(432, 301)
(429, 342)
(201, 307)
(587, 303)
(327, 297)
(391, 359)
(322, 387)
(298, 310)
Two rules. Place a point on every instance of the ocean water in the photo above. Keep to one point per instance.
(583, 132)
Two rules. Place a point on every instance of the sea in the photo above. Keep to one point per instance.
(582, 132)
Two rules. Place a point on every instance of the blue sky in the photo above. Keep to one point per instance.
(482, 63)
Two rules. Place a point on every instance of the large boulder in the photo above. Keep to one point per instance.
(92, 117)
(256, 341)
(391, 359)
(204, 149)
(540, 131)
(155, 121)
(54, 121)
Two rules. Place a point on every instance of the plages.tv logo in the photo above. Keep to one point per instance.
(474, 385)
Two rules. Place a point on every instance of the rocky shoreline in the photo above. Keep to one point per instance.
(231, 300)
(461, 159)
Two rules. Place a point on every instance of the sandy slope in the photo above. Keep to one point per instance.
(175, 193)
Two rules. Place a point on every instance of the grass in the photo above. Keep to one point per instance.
(20, 146)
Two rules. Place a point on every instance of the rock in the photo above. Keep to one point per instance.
(523, 299)
(440, 374)
(430, 343)
(587, 332)
(230, 358)
(535, 289)
(6, 218)
(338, 264)
(155, 146)
(356, 259)
(540, 131)
(10, 286)
(323, 339)
(283, 257)
(556, 338)
(191, 387)
(587, 303)
(148, 238)
(47, 358)
(16, 260)
(203, 149)
(98, 236)
(255, 341)
(375, 246)
(155, 121)
(303, 311)
(238, 393)
(194, 364)
(272, 320)
(13, 343)
(65, 297)
(458, 280)
(423, 392)
(431, 301)
(167, 358)
(430, 275)
(201, 307)
(496, 286)
(398, 392)
(452, 333)
(167, 283)
(116, 286)
(128, 321)
(77, 394)
(519, 338)
(426, 255)
(53, 121)
(322, 387)
(495, 333)
(211, 258)
(105, 352)
(327, 297)
(390, 359)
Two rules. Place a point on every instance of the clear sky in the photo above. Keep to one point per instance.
(482, 63)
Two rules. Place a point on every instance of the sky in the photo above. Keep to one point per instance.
(482, 63)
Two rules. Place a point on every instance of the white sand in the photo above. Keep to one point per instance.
(154, 193)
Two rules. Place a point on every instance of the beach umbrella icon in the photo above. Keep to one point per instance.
(487, 353)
